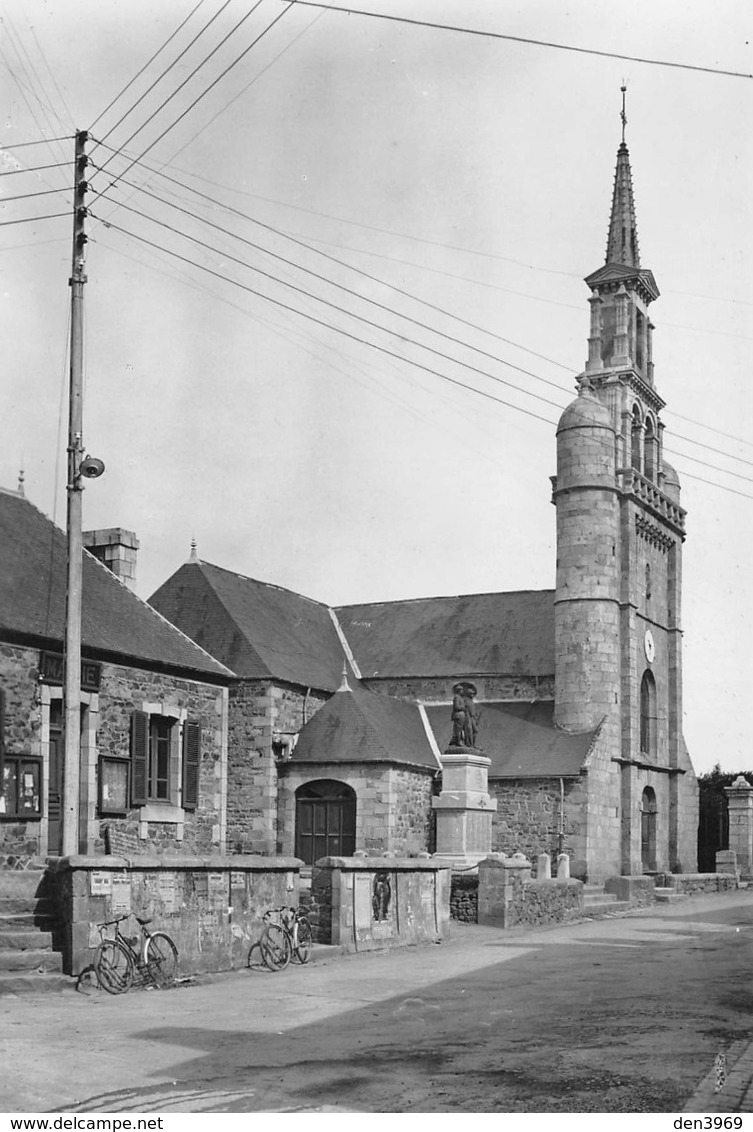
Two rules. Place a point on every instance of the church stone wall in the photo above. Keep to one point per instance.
(488, 688)
(528, 817)
(260, 714)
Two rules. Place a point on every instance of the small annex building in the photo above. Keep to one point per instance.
(579, 687)
(153, 709)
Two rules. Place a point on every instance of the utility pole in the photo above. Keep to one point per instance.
(72, 700)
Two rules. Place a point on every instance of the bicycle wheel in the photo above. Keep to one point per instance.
(113, 964)
(161, 959)
(304, 939)
(275, 947)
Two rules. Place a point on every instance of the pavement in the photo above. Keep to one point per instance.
(626, 1013)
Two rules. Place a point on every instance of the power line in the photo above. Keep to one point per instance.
(31, 219)
(146, 65)
(399, 290)
(331, 282)
(349, 314)
(49, 72)
(202, 95)
(349, 267)
(168, 69)
(23, 196)
(321, 322)
(523, 39)
(383, 349)
(35, 168)
(4, 148)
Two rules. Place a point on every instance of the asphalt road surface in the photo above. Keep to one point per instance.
(623, 1014)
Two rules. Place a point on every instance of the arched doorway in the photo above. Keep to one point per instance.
(648, 830)
(325, 820)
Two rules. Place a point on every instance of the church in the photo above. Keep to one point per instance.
(341, 730)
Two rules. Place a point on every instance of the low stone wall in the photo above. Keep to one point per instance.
(547, 902)
(700, 882)
(464, 897)
(507, 897)
(212, 907)
(638, 891)
(367, 903)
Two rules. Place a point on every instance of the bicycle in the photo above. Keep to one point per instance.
(288, 936)
(118, 957)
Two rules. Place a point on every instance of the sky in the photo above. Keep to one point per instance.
(377, 191)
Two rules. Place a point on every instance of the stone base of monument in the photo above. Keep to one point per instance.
(463, 811)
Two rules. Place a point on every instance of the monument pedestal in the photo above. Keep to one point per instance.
(464, 809)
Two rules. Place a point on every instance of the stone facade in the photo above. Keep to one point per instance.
(528, 817)
(264, 718)
(159, 827)
(393, 804)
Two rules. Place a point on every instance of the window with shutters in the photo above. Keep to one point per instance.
(165, 760)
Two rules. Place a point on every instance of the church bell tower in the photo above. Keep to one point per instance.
(620, 530)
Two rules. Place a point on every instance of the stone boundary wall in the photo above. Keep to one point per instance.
(700, 882)
(211, 906)
(369, 903)
(507, 897)
(638, 891)
(464, 897)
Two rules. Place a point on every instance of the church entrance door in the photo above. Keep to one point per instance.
(648, 830)
(325, 820)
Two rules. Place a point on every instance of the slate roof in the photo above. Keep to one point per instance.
(502, 633)
(361, 726)
(114, 620)
(257, 629)
(263, 631)
(520, 739)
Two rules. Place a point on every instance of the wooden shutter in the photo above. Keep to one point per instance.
(139, 757)
(2, 739)
(191, 763)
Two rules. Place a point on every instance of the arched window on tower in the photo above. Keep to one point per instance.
(649, 450)
(636, 437)
(648, 715)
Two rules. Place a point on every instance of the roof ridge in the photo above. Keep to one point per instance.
(443, 597)
(156, 613)
(260, 582)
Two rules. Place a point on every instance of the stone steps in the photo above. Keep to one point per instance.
(668, 895)
(28, 963)
(597, 902)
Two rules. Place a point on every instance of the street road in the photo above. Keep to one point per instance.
(624, 1014)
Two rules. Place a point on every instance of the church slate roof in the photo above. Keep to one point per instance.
(257, 629)
(114, 620)
(361, 726)
(263, 631)
(501, 634)
(520, 739)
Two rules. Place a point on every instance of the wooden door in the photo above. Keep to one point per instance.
(325, 821)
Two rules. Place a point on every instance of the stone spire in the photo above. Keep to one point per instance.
(622, 242)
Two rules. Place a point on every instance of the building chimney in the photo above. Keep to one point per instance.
(117, 549)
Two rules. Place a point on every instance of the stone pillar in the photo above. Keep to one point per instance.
(740, 805)
(543, 867)
(500, 881)
(464, 809)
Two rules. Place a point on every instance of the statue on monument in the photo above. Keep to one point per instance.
(464, 716)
